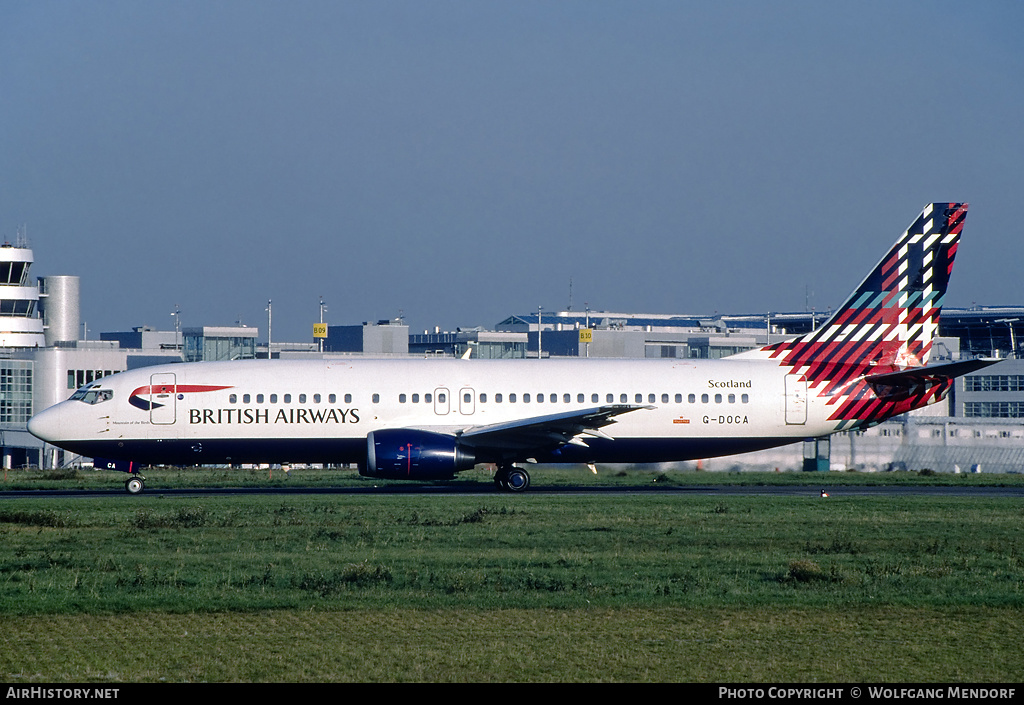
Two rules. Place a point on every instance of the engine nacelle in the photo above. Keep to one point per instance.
(408, 454)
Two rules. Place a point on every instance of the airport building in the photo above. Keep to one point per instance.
(478, 343)
(979, 427)
(384, 337)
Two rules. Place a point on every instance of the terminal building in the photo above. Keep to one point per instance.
(980, 427)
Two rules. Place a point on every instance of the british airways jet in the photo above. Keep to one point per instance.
(429, 419)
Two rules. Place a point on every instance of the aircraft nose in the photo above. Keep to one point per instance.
(47, 424)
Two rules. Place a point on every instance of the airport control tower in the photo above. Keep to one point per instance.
(20, 326)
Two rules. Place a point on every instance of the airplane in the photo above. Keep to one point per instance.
(428, 419)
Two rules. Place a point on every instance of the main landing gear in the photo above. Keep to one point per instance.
(135, 484)
(512, 478)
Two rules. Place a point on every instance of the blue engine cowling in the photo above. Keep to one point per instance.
(408, 454)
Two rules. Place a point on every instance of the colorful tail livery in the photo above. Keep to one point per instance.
(867, 359)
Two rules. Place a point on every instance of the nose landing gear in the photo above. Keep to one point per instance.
(135, 484)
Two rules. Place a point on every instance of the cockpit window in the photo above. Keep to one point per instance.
(92, 395)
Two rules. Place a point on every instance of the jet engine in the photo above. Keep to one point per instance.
(408, 454)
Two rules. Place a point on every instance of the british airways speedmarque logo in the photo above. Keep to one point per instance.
(142, 398)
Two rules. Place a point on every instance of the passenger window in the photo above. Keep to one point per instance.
(376, 398)
(553, 398)
(511, 398)
(609, 398)
(331, 398)
(302, 398)
(540, 398)
(526, 398)
(497, 398)
(348, 398)
(679, 398)
(273, 398)
(401, 398)
(442, 398)
(594, 398)
(718, 398)
(745, 399)
(703, 398)
(692, 398)
(245, 398)
(259, 398)
(233, 399)
(732, 398)
(639, 398)
(428, 398)
(622, 398)
(287, 398)
(483, 398)
(415, 398)
(664, 398)
(579, 399)
(316, 398)
(467, 398)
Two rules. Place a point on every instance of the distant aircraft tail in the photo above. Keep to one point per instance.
(886, 326)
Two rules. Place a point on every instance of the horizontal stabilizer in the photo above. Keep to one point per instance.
(930, 374)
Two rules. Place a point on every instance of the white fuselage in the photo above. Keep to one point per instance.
(322, 410)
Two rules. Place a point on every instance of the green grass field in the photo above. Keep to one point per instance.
(511, 588)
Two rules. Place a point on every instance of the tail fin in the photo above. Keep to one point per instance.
(887, 323)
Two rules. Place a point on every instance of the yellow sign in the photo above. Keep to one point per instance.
(319, 330)
(586, 335)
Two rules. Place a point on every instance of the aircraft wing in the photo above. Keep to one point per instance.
(550, 431)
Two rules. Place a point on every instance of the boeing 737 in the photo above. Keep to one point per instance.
(430, 419)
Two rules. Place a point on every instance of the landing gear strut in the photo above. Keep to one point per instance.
(512, 478)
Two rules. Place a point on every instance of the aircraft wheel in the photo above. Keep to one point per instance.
(517, 480)
(134, 485)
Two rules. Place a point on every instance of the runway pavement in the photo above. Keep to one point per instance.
(469, 489)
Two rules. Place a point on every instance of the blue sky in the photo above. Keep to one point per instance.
(457, 162)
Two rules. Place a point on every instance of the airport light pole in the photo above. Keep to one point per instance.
(1013, 343)
(270, 323)
(587, 305)
(540, 330)
(322, 309)
(177, 327)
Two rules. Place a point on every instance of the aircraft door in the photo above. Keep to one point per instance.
(441, 403)
(467, 401)
(796, 400)
(162, 398)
